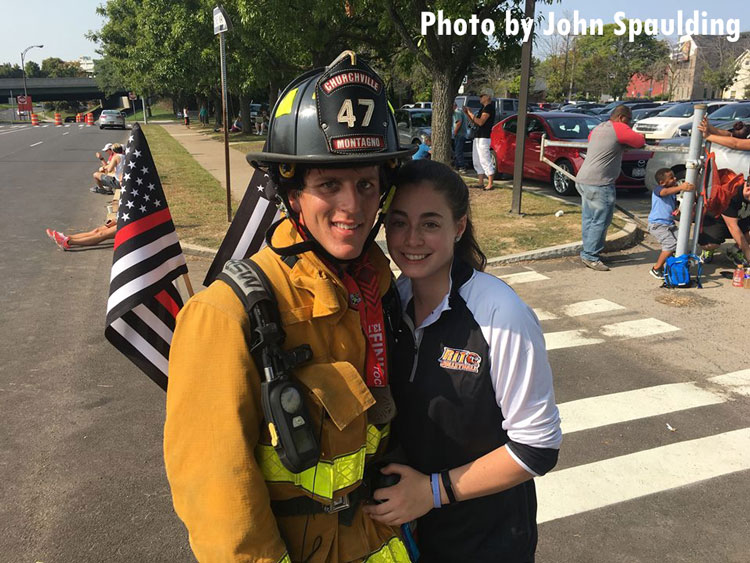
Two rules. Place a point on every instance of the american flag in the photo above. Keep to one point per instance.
(246, 234)
(143, 300)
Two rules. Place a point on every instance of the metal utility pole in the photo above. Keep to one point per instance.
(143, 102)
(23, 67)
(523, 99)
(221, 26)
(688, 198)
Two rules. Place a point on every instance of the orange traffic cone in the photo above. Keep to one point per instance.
(78, 118)
(90, 119)
(58, 119)
(34, 119)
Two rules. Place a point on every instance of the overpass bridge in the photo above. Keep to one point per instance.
(56, 89)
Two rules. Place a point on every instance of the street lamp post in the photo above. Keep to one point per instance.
(23, 68)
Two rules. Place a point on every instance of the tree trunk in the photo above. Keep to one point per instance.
(444, 90)
(247, 124)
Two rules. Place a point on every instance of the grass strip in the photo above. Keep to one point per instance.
(196, 199)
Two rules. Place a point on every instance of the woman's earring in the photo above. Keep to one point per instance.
(458, 238)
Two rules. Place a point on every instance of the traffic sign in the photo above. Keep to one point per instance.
(132, 96)
(221, 21)
(24, 103)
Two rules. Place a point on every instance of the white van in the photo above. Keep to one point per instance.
(667, 124)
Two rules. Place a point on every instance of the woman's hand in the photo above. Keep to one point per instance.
(405, 501)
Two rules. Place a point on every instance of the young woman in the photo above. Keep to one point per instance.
(477, 418)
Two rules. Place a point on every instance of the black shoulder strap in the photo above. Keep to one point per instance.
(249, 282)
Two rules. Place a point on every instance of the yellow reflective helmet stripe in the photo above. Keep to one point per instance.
(394, 551)
(285, 106)
(285, 559)
(328, 476)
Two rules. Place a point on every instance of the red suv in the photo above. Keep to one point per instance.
(558, 126)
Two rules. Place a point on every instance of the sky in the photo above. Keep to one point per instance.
(61, 29)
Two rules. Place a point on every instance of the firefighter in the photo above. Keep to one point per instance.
(331, 152)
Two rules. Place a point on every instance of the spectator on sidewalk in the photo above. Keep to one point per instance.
(203, 115)
(661, 222)
(186, 116)
(596, 181)
(108, 176)
(484, 120)
(90, 238)
(236, 126)
(460, 130)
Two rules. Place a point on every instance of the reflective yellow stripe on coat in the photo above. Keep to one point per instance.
(328, 476)
(394, 551)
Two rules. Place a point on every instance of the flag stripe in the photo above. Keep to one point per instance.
(135, 356)
(167, 269)
(155, 324)
(168, 302)
(133, 244)
(145, 251)
(150, 263)
(251, 229)
(126, 232)
(148, 333)
(141, 345)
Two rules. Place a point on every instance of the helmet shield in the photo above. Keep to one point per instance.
(337, 115)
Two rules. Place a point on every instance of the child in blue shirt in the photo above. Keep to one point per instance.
(661, 219)
(424, 150)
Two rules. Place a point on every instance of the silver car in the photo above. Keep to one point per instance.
(111, 118)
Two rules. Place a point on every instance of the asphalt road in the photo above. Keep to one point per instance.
(80, 451)
(80, 447)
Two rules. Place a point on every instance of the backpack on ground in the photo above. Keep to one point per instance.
(677, 271)
(724, 185)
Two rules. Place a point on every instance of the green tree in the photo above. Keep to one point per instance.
(8, 70)
(607, 62)
(33, 70)
(54, 67)
(448, 58)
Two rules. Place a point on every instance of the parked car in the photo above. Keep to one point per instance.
(728, 114)
(666, 124)
(468, 100)
(558, 126)
(739, 161)
(422, 105)
(111, 118)
(505, 107)
(645, 113)
(606, 111)
(413, 124)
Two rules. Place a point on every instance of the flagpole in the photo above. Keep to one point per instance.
(225, 119)
(188, 285)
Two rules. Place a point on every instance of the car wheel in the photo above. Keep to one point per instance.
(561, 183)
(101, 127)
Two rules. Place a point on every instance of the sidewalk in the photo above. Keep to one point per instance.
(210, 155)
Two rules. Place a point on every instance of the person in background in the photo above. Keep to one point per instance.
(661, 222)
(595, 181)
(186, 117)
(203, 115)
(460, 130)
(108, 177)
(477, 418)
(484, 120)
(424, 150)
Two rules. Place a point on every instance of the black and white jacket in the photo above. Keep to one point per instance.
(471, 378)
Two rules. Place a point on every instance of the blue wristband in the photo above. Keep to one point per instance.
(435, 483)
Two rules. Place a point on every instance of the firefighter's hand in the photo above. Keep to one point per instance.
(405, 501)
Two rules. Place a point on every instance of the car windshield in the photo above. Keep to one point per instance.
(732, 112)
(680, 110)
(572, 127)
(421, 118)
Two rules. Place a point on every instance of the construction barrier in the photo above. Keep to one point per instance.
(78, 118)
(58, 119)
(34, 119)
(89, 119)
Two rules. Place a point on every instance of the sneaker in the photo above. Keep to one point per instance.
(597, 265)
(51, 234)
(707, 256)
(95, 189)
(658, 274)
(61, 240)
(736, 256)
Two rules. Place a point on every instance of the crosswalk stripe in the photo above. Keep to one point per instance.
(543, 315)
(590, 307)
(737, 381)
(568, 339)
(593, 412)
(523, 277)
(637, 328)
(604, 483)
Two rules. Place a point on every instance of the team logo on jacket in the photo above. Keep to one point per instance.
(461, 360)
